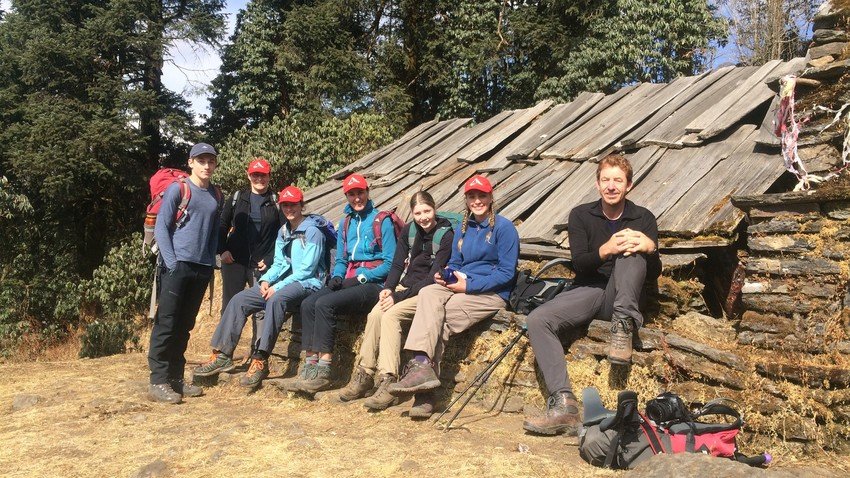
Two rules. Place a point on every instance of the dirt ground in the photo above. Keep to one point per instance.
(92, 418)
(69, 418)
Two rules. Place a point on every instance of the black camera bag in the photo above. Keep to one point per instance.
(531, 291)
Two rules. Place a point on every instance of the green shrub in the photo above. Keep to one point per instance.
(118, 291)
(102, 338)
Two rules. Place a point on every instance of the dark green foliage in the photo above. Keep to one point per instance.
(84, 121)
(303, 148)
(639, 41)
(106, 338)
(118, 291)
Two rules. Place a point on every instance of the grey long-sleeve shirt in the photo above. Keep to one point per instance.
(197, 240)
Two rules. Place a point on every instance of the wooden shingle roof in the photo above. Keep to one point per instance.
(692, 143)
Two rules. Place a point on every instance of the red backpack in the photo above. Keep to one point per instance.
(158, 184)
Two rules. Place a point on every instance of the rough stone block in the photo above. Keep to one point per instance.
(780, 243)
(813, 376)
(824, 36)
(833, 49)
(697, 367)
(838, 210)
(793, 267)
(797, 211)
(722, 357)
(786, 226)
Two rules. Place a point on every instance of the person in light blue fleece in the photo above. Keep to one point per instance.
(300, 267)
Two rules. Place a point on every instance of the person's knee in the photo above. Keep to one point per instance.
(325, 305)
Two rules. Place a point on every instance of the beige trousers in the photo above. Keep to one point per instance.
(381, 347)
(442, 313)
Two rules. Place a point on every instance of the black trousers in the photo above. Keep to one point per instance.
(320, 309)
(182, 291)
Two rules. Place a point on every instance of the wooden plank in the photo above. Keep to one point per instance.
(759, 94)
(837, 193)
(710, 115)
(502, 133)
(535, 133)
(679, 170)
(381, 152)
(416, 154)
(670, 131)
(539, 226)
(550, 124)
(596, 108)
(563, 148)
(607, 127)
(544, 179)
(692, 88)
(707, 208)
(537, 252)
(458, 141)
(766, 136)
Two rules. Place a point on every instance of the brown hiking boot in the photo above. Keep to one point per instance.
(417, 377)
(561, 416)
(382, 399)
(423, 405)
(321, 378)
(185, 389)
(620, 349)
(360, 385)
(293, 384)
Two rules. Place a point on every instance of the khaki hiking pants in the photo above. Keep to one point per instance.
(381, 347)
(442, 313)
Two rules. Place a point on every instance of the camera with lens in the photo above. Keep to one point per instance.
(667, 408)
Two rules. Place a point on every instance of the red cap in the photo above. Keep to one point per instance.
(290, 194)
(354, 181)
(477, 183)
(259, 165)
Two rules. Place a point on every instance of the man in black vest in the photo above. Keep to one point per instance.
(614, 246)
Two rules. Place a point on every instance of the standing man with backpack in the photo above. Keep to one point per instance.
(614, 247)
(187, 256)
(250, 221)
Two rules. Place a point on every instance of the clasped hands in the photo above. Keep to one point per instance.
(627, 242)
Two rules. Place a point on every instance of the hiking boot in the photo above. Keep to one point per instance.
(257, 372)
(163, 393)
(293, 384)
(321, 378)
(360, 385)
(382, 399)
(185, 389)
(561, 416)
(423, 405)
(417, 377)
(620, 349)
(217, 363)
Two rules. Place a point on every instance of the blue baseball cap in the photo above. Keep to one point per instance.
(202, 148)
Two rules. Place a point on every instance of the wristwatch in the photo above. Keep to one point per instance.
(361, 278)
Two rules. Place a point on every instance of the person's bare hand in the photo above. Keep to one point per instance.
(227, 257)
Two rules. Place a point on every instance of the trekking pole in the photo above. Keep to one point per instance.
(479, 381)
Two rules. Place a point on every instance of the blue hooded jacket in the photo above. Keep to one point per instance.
(489, 265)
(361, 245)
(307, 260)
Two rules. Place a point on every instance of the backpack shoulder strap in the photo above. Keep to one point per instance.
(437, 239)
(346, 221)
(376, 227)
(185, 196)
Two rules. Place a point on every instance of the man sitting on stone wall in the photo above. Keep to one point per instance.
(614, 246)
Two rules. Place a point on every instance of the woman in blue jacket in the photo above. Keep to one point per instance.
(361, 267)
(300, 267)
(475, 285)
